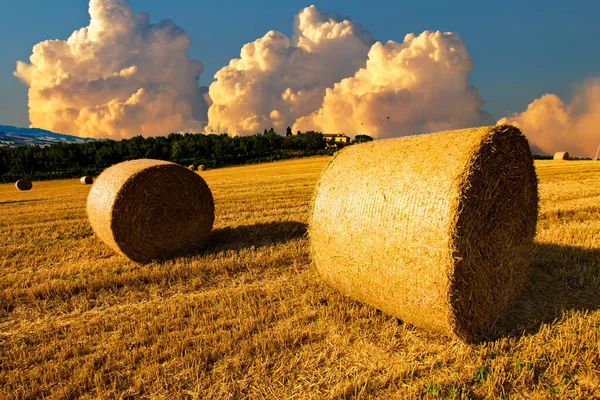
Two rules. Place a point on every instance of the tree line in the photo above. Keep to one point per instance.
(67, 160)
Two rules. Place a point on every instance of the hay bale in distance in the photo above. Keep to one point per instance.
(151, 209)
(435, 229)
(561, 155)
(86, 180)
(201, 168)
(192, 167)
(23, 184)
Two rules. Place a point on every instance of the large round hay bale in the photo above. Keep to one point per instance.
(201, 167)
(192, 167)
(23, 184)
(150, 209)
(561, 155)
(435, 229)
(86, 180)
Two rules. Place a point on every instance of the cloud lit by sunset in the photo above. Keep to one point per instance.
(416, 86)
(278, 79)
(122, 76)
(552, 125)
(118, 77)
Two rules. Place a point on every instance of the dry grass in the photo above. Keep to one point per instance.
(250, 318)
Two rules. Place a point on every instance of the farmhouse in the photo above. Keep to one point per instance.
(337, 137)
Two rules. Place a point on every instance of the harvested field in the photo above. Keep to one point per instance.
(250, 317)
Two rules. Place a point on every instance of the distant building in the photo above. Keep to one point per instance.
(337, 137)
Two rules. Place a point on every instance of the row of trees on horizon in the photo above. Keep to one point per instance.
(67, 160)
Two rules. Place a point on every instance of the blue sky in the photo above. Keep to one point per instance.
(521, 49)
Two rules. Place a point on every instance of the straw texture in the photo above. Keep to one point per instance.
(435, 229)
(23, 184)
(86, 180)
(561, 155)
(150, 209)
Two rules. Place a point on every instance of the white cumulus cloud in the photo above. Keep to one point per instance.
(418, 86)
(118, 77)
(277, 80)
(552, 125)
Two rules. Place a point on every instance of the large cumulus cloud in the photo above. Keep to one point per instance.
(277, 80)
(552, 125)
(118, 77)
(420, 85)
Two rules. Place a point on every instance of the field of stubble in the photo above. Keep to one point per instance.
(248, 317)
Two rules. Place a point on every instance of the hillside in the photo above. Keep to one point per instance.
(249, 317)
(12, 136)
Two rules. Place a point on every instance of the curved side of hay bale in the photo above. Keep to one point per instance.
(434, 229)
(86, 180)
(561, 155)
(23, 184)
(151, 209)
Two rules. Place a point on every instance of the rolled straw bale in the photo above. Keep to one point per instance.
(561, 155)
(192, 167)
(201, 168)
(150, 209)
(435, 229)
(23, 184)
(86, 180)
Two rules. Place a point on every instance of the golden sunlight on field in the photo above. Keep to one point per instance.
(250, 317)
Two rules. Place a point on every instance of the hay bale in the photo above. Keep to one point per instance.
(436, 229)
(86, 180)
(201, 168)
(192, 167)
(150, 209)
(561, 155)
(23, 184)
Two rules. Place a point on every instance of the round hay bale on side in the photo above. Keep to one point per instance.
(23, 184)
(151, 209)
(201, 167)
(435, 229)
(561, 156)
(192, 167)
(86, 180)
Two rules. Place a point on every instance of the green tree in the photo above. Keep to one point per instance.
(362, 139)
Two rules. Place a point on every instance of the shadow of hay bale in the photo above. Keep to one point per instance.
(254, 236)
(563, 278)
(246, 237)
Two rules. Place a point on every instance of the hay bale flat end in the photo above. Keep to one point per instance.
(23, 184)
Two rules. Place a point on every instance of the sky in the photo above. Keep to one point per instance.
(520, 50)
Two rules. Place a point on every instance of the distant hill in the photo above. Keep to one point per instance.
(11, 136)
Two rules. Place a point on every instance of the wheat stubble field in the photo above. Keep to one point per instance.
(248, 317)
